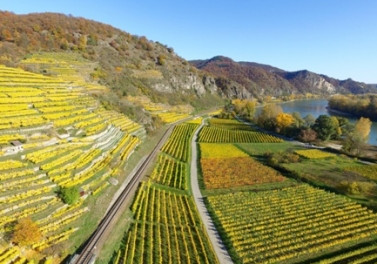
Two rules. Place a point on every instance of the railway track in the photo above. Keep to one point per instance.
(87, 255)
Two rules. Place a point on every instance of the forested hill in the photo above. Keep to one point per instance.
(264, 79)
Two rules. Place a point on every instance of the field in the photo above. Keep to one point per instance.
(231, 124)
(369, 172)
(264, 217)
(314, 154)
(55, 135)
(226, 166)
(166, 227)
(209, 150)
(289, 225)
(236, 172)
(215, 134)
(337, 172)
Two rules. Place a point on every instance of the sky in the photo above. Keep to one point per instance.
(333, 37)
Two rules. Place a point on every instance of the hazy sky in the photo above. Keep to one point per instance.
(334, 37)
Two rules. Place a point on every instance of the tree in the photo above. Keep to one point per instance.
(70, 195)
(345, 125)
(309, 120)
(362, 128)
(283, 120)
(355, 141)
(244, 108)
(26, 232)
(326, 127)
(82, 42)
(307, 135)
(267, 117)
(250, 109)
(63, 44)
(298, 120)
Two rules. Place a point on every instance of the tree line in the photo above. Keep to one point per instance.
(358, 105)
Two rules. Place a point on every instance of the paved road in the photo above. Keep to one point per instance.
(214, 237)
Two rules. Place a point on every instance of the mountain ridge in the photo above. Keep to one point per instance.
(256, 77)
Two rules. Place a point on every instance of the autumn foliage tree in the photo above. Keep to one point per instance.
(355, 141)
(283, 121)
(26, 232)
(362, 128)
(244, 108)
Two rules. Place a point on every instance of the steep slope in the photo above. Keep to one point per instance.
(129, 65)
(262, 79)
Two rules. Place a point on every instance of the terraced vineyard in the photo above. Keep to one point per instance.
(54, 135)
(288, 225)
(215, 134)
(166, 226)
(168, 114)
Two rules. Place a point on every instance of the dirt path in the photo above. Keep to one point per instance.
(214, 237)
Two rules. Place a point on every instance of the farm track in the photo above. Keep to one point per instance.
(214, 237)
(87, 254)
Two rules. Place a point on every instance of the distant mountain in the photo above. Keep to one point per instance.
(260, 79)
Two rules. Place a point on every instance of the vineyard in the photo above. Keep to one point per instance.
(214, 134)
(236, 172)
(226, 166)
(168, 114)
(170, 172)
(362, 255)
(209, 150)
(166, 226)
(178, 143)
(314, 154)
(54, 135)
(290, 224)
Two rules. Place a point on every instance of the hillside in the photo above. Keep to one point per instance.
(260, 79)
(129, 65)
(134, 66)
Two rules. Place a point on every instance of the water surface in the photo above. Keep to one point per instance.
(318, 107)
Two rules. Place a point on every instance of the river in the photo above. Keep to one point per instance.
(318, 107)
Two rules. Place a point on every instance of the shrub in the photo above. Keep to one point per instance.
(70, 195)
(281, 157)
(161, 60)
